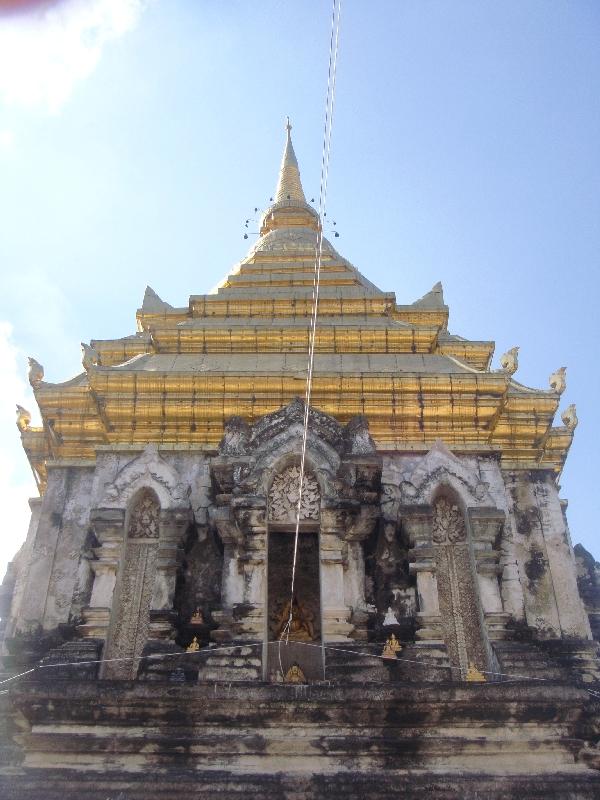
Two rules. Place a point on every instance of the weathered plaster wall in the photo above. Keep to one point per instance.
(537, 581)
(545, 556)
(58, 578)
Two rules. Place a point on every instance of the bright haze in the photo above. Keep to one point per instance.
(137, 137)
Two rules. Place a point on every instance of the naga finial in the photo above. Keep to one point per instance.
(558, 381)
(23, 418)
(569, 417)
(36, 372)
(89, 356)
(510, 361)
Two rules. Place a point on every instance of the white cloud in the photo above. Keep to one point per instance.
(7, 140)
(44, 55)
(16, 481)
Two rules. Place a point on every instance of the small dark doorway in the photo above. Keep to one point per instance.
(305, 629)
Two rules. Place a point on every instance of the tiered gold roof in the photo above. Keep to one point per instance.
(243, 350)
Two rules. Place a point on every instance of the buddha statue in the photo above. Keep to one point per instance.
(301, 628)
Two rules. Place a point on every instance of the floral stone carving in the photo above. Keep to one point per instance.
(285, 492)
(448, 523)
(145, 517)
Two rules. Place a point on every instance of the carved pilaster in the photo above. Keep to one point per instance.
(241, 524)
(417, 522)
(173, 525)
(486, 529)
(109, 528)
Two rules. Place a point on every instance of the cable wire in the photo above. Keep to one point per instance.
(326, 151)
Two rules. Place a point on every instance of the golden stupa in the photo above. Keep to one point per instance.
(242, 350)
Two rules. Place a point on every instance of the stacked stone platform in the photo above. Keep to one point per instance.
(133, 740)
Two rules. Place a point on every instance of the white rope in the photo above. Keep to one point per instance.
(209, 650)
(329, 105)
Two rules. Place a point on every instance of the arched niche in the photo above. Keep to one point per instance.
(198, 585)
(457, 584)
(297, 618)
(130, 615)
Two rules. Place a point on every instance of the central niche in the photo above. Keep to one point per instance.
(305, 606)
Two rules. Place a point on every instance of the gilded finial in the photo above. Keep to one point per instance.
(23, 418)
(569, 417)
(36, 372)
(391, 648)
(89, 356)
(289, 186)
(510, 361)
(194, 646)
(557, 380)
(475, 675)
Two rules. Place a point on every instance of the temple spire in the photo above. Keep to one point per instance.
(289, 186)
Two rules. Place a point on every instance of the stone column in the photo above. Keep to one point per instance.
(241, 524)
(486, 526)
(173, 524)
(333, 556)
(573, 620)
(109, 527)
(362, 526)
(418, 521)
(250, 513)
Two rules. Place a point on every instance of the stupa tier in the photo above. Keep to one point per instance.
(242, 350)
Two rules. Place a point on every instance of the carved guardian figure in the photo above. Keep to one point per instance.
(36, 372)
(89, 356)
(558, 381)
(510, 361)
(23, 418)
(569, 417)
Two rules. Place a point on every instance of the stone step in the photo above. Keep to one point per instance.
(345, 784)
(292, 740)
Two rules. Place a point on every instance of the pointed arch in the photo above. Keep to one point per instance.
(441, 467)
(458, 594)
(130, 619)
(148, 470)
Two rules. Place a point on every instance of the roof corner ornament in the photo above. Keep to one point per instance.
(89, 356)
(558, 381)
(36, 372)
(510, 361)
(23, 418)
(569, 418)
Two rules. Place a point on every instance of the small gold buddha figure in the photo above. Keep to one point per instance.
(294, 675)
(197, 618)
(475, 675)
(194, 646)
(392, 647)
(301, 628)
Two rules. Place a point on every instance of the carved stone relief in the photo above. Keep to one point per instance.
(386, 577)
(144, 517)
(236, 437)
(285, 492)
(458, 599)
(147, 469)
(357, 439)
(131, 618)
(448, 523)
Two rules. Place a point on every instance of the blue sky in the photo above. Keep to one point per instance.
(136, 137)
